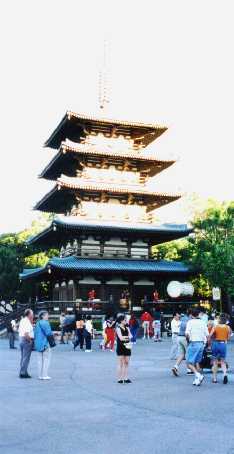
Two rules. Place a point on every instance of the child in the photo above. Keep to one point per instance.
(110, 334)
(157, 330)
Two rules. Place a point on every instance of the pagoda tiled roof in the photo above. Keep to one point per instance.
(91, 149)
(76, 264)
(73, 124)
(62, 229)
(80, 185)
(56, 165)
(131, 188)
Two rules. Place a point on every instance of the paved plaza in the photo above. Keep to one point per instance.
(83, 410)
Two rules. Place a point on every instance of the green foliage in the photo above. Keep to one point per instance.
(15, 255)
(173, 250)
(210, 249)
(212, 246)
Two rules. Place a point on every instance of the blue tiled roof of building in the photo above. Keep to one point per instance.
(122, 265)
(71, 222)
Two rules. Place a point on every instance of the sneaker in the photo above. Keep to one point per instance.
(175, 371)
(127, 381)
(120, 381)
(189, 372)
(46, 378)
(196, 382)
(201, 378)
(225, 379)
(88, 351)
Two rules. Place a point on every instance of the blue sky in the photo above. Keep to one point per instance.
(169, 62)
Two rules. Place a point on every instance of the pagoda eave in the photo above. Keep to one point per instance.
(64, 196)
(62, 266)
(73, 126)
(69, 159)
(63, 230)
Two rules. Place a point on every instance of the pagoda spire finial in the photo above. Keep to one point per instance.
(104, 86)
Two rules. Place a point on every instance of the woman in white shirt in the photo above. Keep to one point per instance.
(88, 333)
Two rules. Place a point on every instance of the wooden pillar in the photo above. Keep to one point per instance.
(79, 247)
(129, 246)
(103, 295)
(150, 255)
(102, 245)
(130, 286)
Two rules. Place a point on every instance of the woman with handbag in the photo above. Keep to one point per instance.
(123, 336)
(43, 340)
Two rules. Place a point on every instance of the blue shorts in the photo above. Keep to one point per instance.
(219, 350)
(194, 352)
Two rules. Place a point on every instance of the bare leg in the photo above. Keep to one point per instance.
(214, 371)
(126, 366)
(148, 330)
(121, 368)
(192, 367)
(179, 360)
(224, 369)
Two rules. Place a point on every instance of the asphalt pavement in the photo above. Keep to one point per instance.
(83, 409)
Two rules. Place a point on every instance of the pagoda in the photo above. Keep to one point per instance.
(104, 204)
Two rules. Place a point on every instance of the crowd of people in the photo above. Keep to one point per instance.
(193, 336)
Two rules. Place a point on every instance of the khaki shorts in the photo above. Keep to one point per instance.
(182, 345)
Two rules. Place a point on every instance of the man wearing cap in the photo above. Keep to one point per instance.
(26, 338)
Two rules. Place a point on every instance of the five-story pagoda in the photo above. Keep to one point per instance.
(104, 202)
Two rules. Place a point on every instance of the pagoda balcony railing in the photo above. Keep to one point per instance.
(56, 307)
(111, 253)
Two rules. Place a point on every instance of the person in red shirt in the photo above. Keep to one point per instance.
(110, 334)
(146, 319)
(155, 296)
(91, 296)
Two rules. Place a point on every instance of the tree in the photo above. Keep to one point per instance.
(15, 255)
(212, 246)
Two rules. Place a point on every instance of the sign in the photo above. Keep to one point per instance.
(216, 293)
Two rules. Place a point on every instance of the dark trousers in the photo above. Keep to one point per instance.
(12, 340)
(26, 350)
(79, 338)
(133, 333)
(87, 340)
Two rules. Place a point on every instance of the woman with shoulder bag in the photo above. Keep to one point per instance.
(123, 336)
(43, 335)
